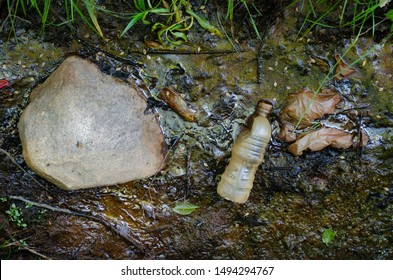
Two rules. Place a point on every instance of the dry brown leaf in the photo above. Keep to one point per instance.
(287, 132)
(177, 104)
(343, 70)
(323, 103)
(320, 139)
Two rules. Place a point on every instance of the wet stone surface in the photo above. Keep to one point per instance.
(294, 199)
(84, 129)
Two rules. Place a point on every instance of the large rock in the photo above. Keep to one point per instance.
(85, 129)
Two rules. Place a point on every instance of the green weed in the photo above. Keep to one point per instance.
(328, 236)
(354, 15)
(15, 215)
(170, 20)
(184, 208)
(177, 17)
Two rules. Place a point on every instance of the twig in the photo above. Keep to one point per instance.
(24, 247)
(34, 252)
(259, 54)
(259, 63)
(116, 57)
(20, 167)
(104, 222)
(165, 158)
(188, 174)
(155, 52)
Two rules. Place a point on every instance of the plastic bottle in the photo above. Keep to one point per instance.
(247, 154)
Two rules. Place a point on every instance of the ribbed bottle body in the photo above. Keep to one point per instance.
(247, 154)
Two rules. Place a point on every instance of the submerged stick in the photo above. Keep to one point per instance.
(20, 167)
(102, 221)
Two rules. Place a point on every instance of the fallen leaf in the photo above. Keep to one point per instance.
(320, 139)
(328, 236)
(184, 208)
(287, 132)
(299, 106)
(177, 104)
(343, 70)
(325, 67)
(153, 45)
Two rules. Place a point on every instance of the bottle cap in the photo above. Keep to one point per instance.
(265, 106)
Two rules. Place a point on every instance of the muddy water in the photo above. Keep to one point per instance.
(293, 200)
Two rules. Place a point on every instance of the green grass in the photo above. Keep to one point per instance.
(177, 17)
(231, 6)
(354, 14)
(86, 9)
(15, 215)
(169, 20)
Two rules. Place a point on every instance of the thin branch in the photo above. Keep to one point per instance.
(24, 247)
(259, 53)
(34, 252)
(104, 222)
(20, 167)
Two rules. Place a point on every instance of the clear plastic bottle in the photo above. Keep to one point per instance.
(247, 154)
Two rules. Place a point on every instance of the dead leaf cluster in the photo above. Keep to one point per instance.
(303, 109)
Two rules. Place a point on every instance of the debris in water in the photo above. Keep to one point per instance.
(4, 83)
(306, 106)
(177, 104)
(247, 154)
(184, 208)
(322, 138)
(322, 64)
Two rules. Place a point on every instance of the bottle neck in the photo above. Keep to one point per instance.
(263, 108)
(263, 113)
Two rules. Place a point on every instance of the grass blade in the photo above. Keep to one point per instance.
(204, 23)
(90, 9)
(132, 22)
(229, 11)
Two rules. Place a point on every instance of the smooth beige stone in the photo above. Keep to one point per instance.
(85, 129)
